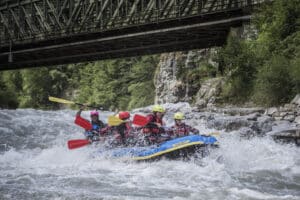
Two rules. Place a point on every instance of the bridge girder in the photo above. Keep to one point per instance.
(46, 32)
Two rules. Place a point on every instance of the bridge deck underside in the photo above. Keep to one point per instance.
(177, 35)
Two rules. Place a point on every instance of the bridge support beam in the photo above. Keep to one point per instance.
(36, 33)
(178, 38)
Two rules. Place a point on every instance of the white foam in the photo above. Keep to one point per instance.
(79, 170)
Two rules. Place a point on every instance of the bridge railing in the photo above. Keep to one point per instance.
(24, 21)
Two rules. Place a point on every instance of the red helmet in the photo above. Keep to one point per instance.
(124, 115)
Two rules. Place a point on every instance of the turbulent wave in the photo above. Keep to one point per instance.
(36, 164)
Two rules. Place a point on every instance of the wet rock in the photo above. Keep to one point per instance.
(253, 117)
(290, 107)
(296, 100)
(201, 103)
(208, 92)
(234, 111)
(283, 114)
(287, 135)
(289, 117)
(281, 125)
(167, 87)
(247, 133)
(271, 111)
(195, 109)
(278, 118)
(228, 123)
(236, 125)
(297, 120)
(262, 125)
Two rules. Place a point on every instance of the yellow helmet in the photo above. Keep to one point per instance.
(179, 115)
(158, 108)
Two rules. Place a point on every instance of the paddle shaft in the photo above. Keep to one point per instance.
(60, 100)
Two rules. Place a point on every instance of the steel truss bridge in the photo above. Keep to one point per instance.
(36, 33)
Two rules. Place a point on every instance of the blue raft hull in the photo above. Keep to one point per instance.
(173, 149)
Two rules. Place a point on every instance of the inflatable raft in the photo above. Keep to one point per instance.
(182, 147)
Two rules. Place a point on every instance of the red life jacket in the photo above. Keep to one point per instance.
(182, 130)
(151, 127)
(122, 132)
(152, 118)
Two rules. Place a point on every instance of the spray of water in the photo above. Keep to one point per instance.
(37, 165)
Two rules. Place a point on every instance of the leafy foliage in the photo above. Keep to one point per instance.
(240, 64)
(273, 84)
(119, 84)
(265, 69)
(268, 66)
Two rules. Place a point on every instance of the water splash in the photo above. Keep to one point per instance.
(38, 165)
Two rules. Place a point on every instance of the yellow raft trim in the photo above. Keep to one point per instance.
(167, 151)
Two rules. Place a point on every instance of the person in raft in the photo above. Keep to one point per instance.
(123, 132)
(180, 129)
(98, 127)
(154, 130)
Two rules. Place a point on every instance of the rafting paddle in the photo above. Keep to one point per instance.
(114, 121)
(139, 120)
(212, 134)
(83, 123)
(73, 144)
(59, 100)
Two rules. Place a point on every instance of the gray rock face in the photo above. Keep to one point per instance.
(271, 111)
(246, 132)
(208, 92)
(230, 110)
(297, 120)
(288, 112)
(171, 90)
(247, 126)
(167, 88)
(291, 135)
(262, 125)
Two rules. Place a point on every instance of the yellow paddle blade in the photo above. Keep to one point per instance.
(114, 121)
(59, 100)
(214, 134)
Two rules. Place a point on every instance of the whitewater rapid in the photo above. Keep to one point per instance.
(35, 163)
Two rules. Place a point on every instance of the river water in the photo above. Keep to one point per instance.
(35, 163)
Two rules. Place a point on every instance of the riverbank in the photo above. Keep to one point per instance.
(282, 123)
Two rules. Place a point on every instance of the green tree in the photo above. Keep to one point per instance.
(8, 90)
(117, 84)
(141, 86)
(279, 45)
(240, 63)
(266, 66)
(274, 85)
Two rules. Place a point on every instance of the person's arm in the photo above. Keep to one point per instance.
(105, 130)
(150, 118)
(193, 130)
(80, 110)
